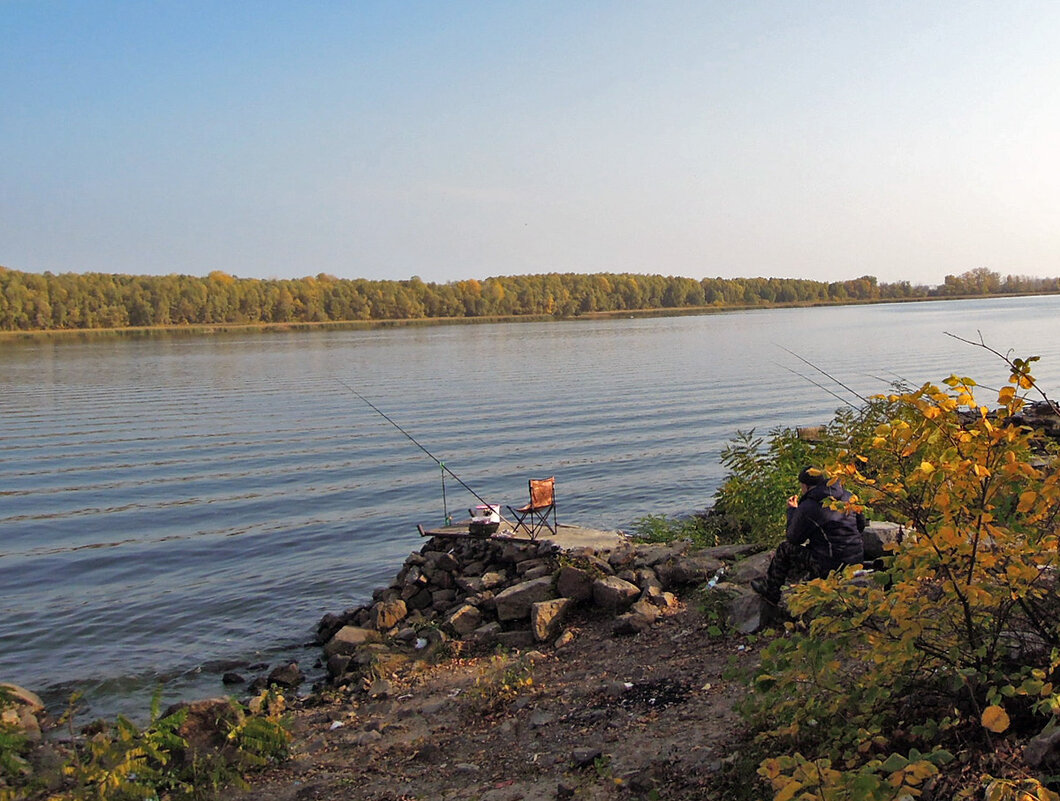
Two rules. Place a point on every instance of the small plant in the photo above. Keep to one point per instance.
(713, 604)
(500, 682)
(663, 528)
(119, 761)
(14, 770)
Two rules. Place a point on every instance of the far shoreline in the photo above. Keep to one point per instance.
(213, 329)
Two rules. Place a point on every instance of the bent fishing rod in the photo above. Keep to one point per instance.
(438, 461)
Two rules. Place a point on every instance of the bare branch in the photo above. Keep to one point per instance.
(1006, 358)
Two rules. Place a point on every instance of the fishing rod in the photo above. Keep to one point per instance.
(826, 375)
(439, 462)
(817, 384)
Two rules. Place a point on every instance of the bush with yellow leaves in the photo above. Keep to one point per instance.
(955, 645)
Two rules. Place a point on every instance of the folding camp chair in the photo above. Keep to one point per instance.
(542, 501)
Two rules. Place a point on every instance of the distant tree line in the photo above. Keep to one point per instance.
(39, 301)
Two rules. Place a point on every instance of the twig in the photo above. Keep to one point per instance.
(1012, 365)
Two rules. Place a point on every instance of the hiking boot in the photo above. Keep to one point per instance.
(762, 588)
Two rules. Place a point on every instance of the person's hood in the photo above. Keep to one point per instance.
(824, 491)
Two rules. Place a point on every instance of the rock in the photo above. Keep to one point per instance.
(651, 555)
(631, 623)
(470, 584)
(574, 583)
(595, 562)
(750, 568)
(464, 620)
(22, 711)
(442, 599)
(515, 639)
(487, 632)
(694, 569)
(380, 688)
(646, 579)
(584, 756)
(613, 593)
(1042, 749)
(475, 568)
(337, 665)
(540, 717)
(366, 655)
(328, 625)
(546, 618)
(731, 553)
(878, 535)
(522, 568)
(22, 697)
(538, 572)
(492, 579)
(446, 561)
(287, 676)
(514, 603)
(659, 598)
(645, 608)
(233, 678)
(206, 725)
(743, 607)
(421, 599)
(348, 638)
(385, 615)
(622, 556)
(566, 789)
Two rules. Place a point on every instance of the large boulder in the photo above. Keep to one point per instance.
(287, 676)
(879, 536)
(349, 638)
(750, 568)
(546, 618)
(690, 569)
(514, 603)
(574, 583)
(613, 593)
(387, 614)
(20, 708)
(464, 620)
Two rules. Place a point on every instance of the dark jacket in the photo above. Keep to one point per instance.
(834, 537)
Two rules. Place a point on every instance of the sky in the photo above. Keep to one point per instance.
(455, 140)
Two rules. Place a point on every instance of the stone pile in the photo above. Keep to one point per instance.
(515, 594)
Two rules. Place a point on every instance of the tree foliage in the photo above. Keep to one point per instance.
(31, 301)
(955, 645)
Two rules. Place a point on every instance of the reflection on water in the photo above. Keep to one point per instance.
(172, 504)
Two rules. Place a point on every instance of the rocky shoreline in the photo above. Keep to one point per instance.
(612, 609)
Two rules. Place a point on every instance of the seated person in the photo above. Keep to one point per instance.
(818, 540)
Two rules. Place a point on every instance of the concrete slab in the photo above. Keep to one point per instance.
(567, 537)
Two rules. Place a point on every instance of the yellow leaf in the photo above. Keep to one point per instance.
(995, 718)
(788, 791)
(1006, 394)
(1027, 500)
(927, 468)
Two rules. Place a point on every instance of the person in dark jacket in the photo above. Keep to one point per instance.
(819, 539)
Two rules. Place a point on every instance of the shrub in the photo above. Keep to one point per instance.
(957, 642)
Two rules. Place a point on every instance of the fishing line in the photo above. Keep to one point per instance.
(826, 375)
(817, 384)
(412, 439)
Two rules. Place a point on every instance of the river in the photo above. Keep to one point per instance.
(174, 505)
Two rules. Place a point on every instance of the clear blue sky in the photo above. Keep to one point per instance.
(453, 140)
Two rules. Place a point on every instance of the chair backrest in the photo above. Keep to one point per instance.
(542, 492)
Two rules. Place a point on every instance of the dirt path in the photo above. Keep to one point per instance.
(647, 716)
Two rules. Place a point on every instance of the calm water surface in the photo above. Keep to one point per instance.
(171, 506)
